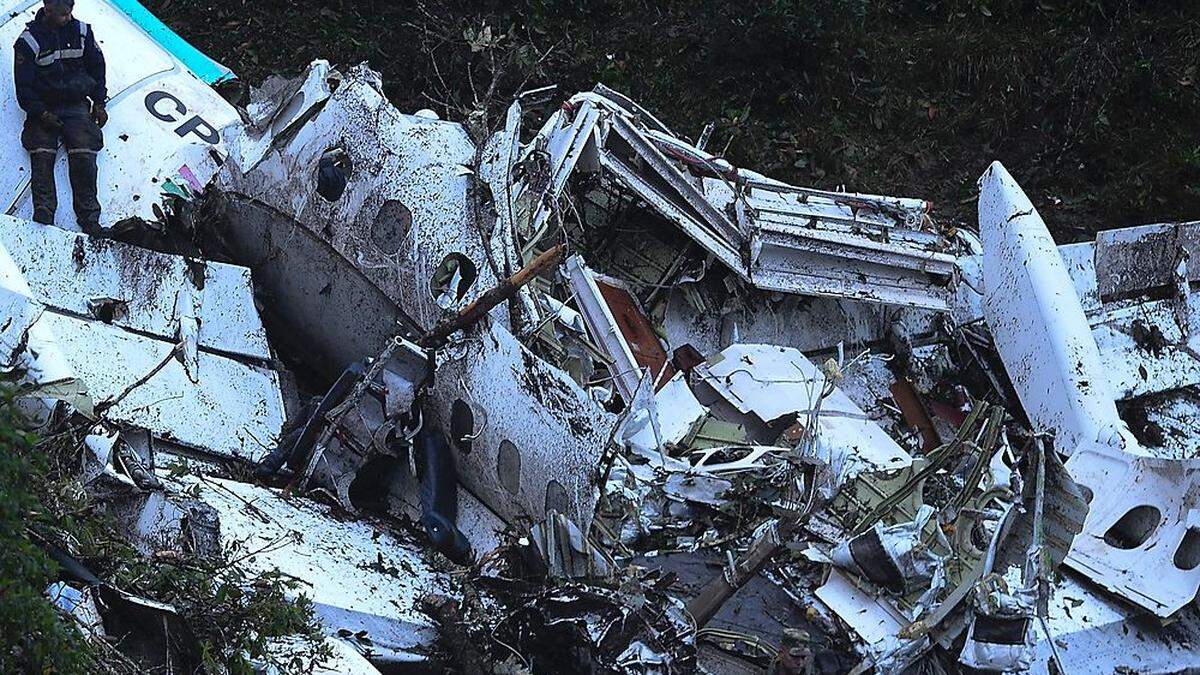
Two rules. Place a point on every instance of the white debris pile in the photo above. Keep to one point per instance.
(658, 413)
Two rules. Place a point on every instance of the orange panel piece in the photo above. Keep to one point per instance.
(638, 332)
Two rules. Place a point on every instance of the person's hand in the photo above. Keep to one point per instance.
(51, 120)
(100, 115)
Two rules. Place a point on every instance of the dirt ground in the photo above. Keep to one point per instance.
(1092, 104)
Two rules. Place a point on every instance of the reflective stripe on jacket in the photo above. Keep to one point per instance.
(57, 66)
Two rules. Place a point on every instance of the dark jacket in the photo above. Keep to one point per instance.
(58, 66)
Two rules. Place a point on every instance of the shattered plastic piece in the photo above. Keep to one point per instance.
(80, 604)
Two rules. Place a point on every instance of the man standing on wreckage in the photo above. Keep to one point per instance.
(60, 82)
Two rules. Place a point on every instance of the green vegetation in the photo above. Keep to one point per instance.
(233, 613)
(32, 638)
(1092, 104)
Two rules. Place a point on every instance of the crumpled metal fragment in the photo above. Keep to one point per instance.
(894, 557)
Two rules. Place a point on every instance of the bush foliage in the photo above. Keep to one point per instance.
(234, 613)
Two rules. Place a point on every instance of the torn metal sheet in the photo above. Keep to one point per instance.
(773, 235)
(137, 289)
(29, 348)
(222, 405)
(566, 552)
(279, 108)
(405, 210)
(894, 540)
(1136, 540)
(892, 556)
(1031, 541)
(663, 418)
(1037, 322)
(407, 206)
(363, 580)
(562, 143)
(1095, 632)
(162, 130)
(20, 314)
(498, 160)
(711, 320)
(875, 621)
(773, 383)
(826, 243)
(412, 212)
(233, 410)
(623, 365)
(1145, 257)
(1148, 343)
(1141, 542)
(528, 439)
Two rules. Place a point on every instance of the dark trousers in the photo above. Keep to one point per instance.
(83, 139)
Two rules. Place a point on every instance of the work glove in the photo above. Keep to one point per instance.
(51, 120)
(100, 115)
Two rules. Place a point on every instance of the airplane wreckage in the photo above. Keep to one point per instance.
(657, 412)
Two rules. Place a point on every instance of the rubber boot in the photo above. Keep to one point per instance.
(82, 165)
(45, 193)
